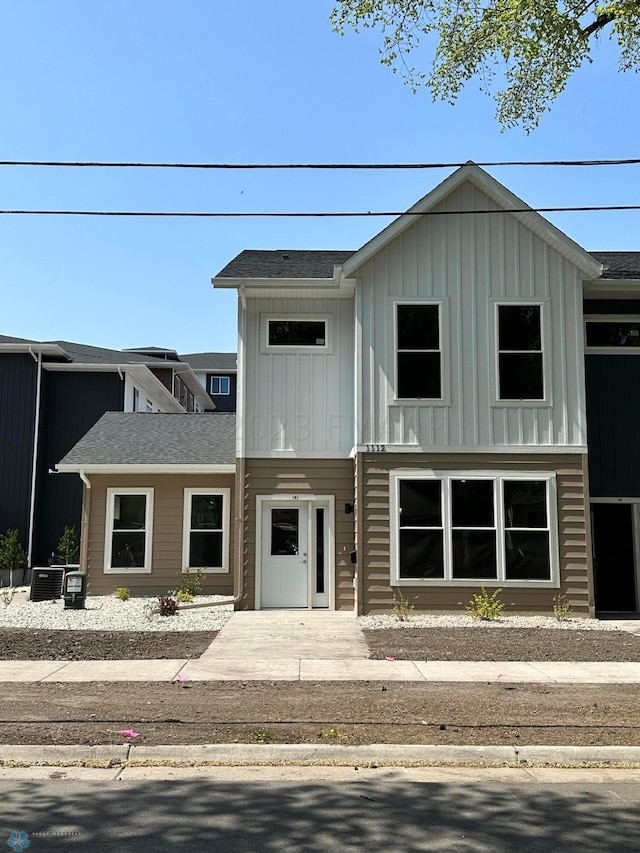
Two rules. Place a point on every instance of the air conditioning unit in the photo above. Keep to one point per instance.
(46, 584)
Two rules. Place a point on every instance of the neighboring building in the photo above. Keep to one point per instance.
(159, 497)
(434, 382)
(51, 393)
(217, 373)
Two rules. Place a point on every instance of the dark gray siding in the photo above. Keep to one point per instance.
(224, 402)
(613, 424)
(72, 403)
(17, 422)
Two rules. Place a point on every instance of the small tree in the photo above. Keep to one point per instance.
(12, 555)
(68, 549)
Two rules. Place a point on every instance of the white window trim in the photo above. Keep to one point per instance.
(309, 349)
(220, 378)
(610, 318)
(186, 530)
(148, 529)
(545, 339)
(445, 346)
(445, 476)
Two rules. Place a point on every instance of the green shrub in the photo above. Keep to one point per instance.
(189, 584)
(68, 550)
(485, 606)
(402, 608)
(12, 555)
(122, 593)
(561, 607)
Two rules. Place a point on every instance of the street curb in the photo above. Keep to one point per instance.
(60, 754)
(317, 754)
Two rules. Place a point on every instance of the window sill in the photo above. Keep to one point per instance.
(476, 582)
(193, 570)
(521, 404)
(134, 570)
(440, 402)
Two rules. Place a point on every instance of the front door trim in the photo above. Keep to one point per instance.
(312, 501)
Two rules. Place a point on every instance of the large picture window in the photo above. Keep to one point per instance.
(520, 355)
(419, 355)
(472, 528)
(206, 530)
(128, 530)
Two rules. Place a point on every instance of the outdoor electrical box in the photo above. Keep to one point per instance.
(74, 590)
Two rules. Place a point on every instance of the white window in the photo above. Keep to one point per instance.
(136, 400)
(308, 332)
(219, 384)
(206, 530)
(128, 530)
(521, 369)
(473, 528)
(418, 351)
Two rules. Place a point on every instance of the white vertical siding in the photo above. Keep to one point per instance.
(472, 262)
(299, 401)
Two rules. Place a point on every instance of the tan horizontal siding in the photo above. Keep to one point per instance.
(166, 555)
(374, 536)
(299, 476)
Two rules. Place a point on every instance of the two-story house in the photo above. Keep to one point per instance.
(417, 407)
(412, 418)
(51, 393)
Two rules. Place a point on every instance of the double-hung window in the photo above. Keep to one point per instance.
(419, 353)
(459, 528)
(206, 530)
(520, 352)
(128, 530)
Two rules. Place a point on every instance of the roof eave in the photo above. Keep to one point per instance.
(152, 468)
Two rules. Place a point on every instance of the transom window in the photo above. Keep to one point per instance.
(206, 530)
(296, 333)
(463, 528)
(128, 530)
(613, 332)
(520, 357)
(219, 384)
(419, 356)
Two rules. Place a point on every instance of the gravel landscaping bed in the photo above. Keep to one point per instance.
(108, 613)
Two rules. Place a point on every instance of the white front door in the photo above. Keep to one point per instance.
(285, 537)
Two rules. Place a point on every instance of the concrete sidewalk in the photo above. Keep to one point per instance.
(318, 669)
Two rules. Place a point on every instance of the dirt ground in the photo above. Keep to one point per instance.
(328, 712)
(515, 644)
(29, 644)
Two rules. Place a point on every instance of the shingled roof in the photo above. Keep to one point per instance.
(620, 265)
(211, 360)
(284, 263)
(143, 438)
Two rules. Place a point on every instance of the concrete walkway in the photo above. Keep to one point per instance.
(302, 645)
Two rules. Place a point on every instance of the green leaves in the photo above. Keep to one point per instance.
(523, 52)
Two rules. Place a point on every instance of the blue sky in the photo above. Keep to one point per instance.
(249, 82)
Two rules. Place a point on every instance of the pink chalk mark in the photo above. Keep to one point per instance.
(389, 658)
(128, 733)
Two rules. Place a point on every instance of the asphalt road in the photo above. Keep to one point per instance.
(256, 811)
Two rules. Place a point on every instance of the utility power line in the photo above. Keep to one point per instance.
(317, 214)
(336, 166)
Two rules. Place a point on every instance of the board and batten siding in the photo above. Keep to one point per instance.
(168, 508)
(299, 476)
(299, 401)
(373, 495)
(471, 262)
